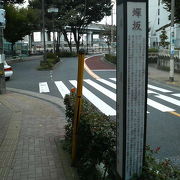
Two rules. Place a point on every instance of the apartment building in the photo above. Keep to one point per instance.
(159, 19)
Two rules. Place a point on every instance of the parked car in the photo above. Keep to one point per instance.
(8, 72)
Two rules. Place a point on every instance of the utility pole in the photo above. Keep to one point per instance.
(112, 33)
(171, 73)
(43, 30)
(2, 25)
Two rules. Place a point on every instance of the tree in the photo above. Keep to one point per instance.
(20, 22)
(107, 35)
(77, 14)
(164, 37)
(13, 2)
(177, 8)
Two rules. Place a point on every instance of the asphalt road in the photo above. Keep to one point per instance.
(162, 127)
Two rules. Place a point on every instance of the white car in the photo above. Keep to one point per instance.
(8, 72)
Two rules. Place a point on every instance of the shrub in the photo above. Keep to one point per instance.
(153, 50)
(96, 141)
(157, 170)
(51, 60)
(51, 55)
(111, 58)
(96, 147)
(66, 54)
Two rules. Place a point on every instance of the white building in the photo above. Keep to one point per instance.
(159, 19)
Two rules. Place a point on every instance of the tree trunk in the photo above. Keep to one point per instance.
(66, 38)
(12, 48)
(77, 38)
(58, 42)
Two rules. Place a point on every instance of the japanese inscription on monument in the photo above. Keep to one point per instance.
(136, 66)
(131, 86)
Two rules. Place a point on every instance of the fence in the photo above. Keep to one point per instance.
(20, 49)
(166, 52)
(163, 62)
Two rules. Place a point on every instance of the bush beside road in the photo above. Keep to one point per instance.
(97, 147)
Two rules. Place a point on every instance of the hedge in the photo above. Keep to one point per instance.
(97, 147)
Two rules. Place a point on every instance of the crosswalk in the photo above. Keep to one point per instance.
(102, 93)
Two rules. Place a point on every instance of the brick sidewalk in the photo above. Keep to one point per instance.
(28, 150)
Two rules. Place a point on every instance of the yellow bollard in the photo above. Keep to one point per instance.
(77, 112)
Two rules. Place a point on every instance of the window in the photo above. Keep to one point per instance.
(158, 21)
(158, 11)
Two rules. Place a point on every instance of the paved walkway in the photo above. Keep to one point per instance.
(28, 129)
(163, 76)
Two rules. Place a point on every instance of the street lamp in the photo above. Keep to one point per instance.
(53, 10)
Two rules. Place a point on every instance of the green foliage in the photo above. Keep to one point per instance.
(177, 8)
(96, 140)
(111, 58)
(96, 147)
(51, 55)
(13, 1)
(20, 22)
(164, 37)
(157, 170)
(153, 50)
(51, 60)
(77, 14)
(66, 54)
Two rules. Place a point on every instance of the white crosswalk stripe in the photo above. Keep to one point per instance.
(177, 95)
(113, 79)
(62, 88)
(90, 87)
(101, 89)
(158, 89)
(101, 105)
(159, 106)
(107, 83)
(169, 99)
(43, 87)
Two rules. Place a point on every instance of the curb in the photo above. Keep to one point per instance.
(51, 99)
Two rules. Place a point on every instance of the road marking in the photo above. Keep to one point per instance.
(100, 88)
(151, 92)
(168, 99)
(91, 73)
(177, 95)
(158, 89)
(62, 88)
(43, 87)
(101, 105)
(114, 79)
(104, 70)
(159, 106)
(107, 83)
(175, 113)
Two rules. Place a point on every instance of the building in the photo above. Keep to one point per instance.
(158, 20)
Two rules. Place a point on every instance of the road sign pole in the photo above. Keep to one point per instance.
(132, 44)
(77, 111)
(2, 77)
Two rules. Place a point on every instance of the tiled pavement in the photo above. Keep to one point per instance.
(28, 150)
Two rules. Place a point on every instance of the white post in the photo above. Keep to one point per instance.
(171, 73)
